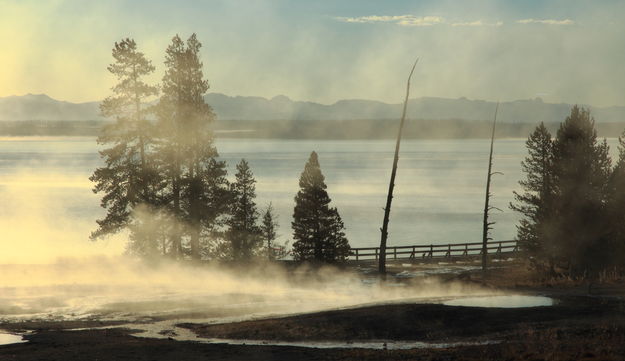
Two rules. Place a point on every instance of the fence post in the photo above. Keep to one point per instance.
(356, 254)
(376, 254)
(395, 252)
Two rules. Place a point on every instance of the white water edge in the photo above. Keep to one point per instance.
(511, 301)
(7, 338)
(374, 345)
(169, 330)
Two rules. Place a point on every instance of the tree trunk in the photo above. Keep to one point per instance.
(391, 186)
(486, 224)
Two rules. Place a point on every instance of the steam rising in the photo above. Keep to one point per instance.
(51, 271)
(124, 288)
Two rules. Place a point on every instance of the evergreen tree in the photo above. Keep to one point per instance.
(243, 232)
(268, 230)
(318, 230)
(534, 203)
(616, 208)
(129, 177)
(171, 116)
(581, 169)
(196, 188)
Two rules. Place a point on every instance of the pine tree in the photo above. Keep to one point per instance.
(170, 115)
(243, 232)
(534, 203)
(616, 208)
(129, 178)
(581, 169)
(196, 181)
(268, 230)
(318, 230)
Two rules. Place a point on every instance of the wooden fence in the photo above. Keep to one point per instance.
(450, 251)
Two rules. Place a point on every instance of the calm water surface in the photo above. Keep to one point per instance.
(439, 192)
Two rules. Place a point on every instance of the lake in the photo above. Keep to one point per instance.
(48, 205)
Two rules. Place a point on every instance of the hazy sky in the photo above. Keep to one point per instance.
(563, 51)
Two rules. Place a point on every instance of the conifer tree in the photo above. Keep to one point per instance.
(534, 203)
(268, 230)
(196, 188)
(243, 232)
(318, 230)
(129, 177)
(581, 169)
(571, 198)
(616, 208)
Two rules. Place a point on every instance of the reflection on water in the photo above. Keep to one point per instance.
(514, 301)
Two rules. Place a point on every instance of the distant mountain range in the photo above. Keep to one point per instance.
(241, 108)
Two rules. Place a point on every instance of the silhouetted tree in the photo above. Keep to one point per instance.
(186, 149)
(535, 203)
(616, 208)
(391, 184)
(243, 232)
(318, 230)
(268, 230)
(486, 223)
(129, 177)
(572, 202)
(581, 169)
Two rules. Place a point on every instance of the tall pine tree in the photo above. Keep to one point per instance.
(268, 230)
(318, 230)
(534, 203)
(616, 208)
(196, 188)
(243, 234)
(129, 178)
(581, 169)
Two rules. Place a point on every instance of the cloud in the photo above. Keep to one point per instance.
(421, 21)
(546, 21)
(477, 23)
(411, 20)
(403, 20)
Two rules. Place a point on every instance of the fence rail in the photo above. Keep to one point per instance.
(435, 251)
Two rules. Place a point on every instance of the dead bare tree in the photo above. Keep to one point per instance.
(391, 186)
(487, 225)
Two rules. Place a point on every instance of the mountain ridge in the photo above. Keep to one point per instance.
(280, 107)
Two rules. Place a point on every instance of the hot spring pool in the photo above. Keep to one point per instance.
(9, 338)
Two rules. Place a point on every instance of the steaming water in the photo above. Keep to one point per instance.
(439, 188)
(9, 338)
(50, 271)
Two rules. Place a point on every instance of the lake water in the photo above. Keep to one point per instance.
(439, 193)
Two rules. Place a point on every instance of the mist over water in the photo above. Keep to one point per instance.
(122, 288)
(50, 270)
(48, 208)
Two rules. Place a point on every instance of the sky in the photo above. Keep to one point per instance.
(570, 51)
